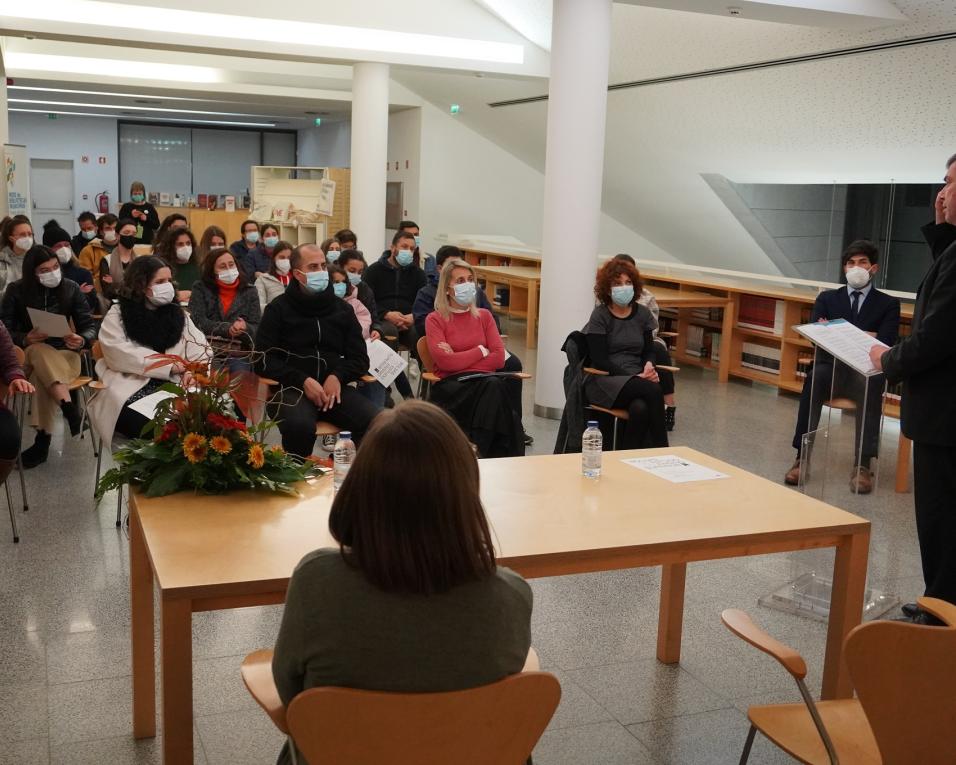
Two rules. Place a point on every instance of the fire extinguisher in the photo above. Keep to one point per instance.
(103, 202)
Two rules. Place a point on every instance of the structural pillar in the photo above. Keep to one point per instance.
(369, 156)
(4, 134)
(573, 179)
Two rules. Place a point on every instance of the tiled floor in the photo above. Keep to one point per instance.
(64, 620)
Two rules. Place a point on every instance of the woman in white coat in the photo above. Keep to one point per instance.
(146, 321)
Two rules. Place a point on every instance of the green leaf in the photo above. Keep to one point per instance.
(167, 481)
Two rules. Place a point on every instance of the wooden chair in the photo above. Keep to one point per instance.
(16, 403)
(904, 674)
(425, 357)
(618, 415)
(495, 724)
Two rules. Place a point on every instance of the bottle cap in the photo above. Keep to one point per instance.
(592, 422)
(345, 434)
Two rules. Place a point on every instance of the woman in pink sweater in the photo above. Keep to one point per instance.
(466, 350)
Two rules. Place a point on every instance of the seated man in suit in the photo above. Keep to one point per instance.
(874, 312)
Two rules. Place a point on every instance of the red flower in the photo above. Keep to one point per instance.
(169, 431)
(224, 423)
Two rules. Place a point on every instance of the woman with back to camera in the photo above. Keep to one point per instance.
(146, 321)
(620, 337)
(178, 250)
(412, 601)
(141, 212)
(55, 361)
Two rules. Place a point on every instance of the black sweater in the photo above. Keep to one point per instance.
(395, 288)
(304, 335)
(65, 299)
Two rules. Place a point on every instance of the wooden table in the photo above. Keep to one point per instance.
(687, 299)
(523, 283)
(209, 553)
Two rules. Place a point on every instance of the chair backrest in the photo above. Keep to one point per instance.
(496, 724)
(905, 677)
(424, 355)
(97, 350)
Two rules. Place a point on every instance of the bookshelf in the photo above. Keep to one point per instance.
(291, 197)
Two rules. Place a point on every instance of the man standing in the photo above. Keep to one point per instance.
(874, 312)
(925, 362)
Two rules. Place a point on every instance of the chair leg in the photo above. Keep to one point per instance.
(13, 516)
(119, 506)
(21, 406)
(749, 743)
(614, 424)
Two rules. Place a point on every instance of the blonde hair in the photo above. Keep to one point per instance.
(442, 304)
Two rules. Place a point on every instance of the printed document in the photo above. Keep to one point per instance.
(845, 341)
(383, 363)
(674, 469)
(146, 406)
(53, 324)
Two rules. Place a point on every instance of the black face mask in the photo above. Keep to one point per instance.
(128, 240)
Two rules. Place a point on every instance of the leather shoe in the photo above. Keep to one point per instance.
(861, 480)
(909, 609)
(792, 478)
(922, 618)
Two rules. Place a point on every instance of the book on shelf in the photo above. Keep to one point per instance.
(707, 314)
(765, 314)
(165, 199)
(763, 358)
(153, 198)
(202, 200)
(714, 345)
(696, 342)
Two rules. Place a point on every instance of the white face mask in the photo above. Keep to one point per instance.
(50, 279)
(858, 277)
(283, 265)
(163, 294)
(109, 235)
(184, 253)
(228, 276)
(64, 255)
(24, 243)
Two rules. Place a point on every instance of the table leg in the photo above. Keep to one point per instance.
(903, 464)
(143, 634)
(727, 329)
(532, 333)
(846, 611)
(671, 617)
(177, 656)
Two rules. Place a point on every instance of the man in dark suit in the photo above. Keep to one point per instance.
(874, 312)
(925, 362)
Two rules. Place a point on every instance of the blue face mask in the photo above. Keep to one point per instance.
(317, 281)
(404, 258)
(271, 241)
(465, 293)
(332, 256)
(623, 294)
(418, 241)
(252, 236)
(339, 288)
(354, 279)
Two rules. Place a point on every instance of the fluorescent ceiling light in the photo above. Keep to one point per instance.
(88, 105)
(105, 15)
(144, 117)
(163, 97)
(110, 67)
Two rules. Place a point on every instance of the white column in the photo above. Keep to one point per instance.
(4, 133)
(369, 156)
(574, 172)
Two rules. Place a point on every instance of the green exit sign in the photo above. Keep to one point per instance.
(318, 121)
(52, 116)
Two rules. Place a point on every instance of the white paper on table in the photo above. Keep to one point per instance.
(674, 469)
(146, 406)
(844, 341)
(383, 363)
(53, 324)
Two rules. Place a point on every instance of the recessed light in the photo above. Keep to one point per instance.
(148, 118)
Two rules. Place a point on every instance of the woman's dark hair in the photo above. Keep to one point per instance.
(205, 243)
(167, 223)
(335, 268)
(266, 226)
(346, 255)
(165, 247)
(207, 271)
(346, 235)
(447, 251)
(626, 258)
(35, 257)
(282, 246)
(9, 224)
(138, 275)
(608, 274)
(405, 531)
(123, 223)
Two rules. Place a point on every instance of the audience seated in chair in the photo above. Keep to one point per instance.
(463, 342)
(273, 283)
(620, 338)
(413, 600)
(54, 361)
(312, 345)
(146, 321)
(115, 264)
(177, 248)
(16, 382)
(373, 390)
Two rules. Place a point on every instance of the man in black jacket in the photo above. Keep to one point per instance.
(925, 362)
(312, 345)
(874, 312)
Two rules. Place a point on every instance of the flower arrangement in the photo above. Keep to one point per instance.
(195, 442)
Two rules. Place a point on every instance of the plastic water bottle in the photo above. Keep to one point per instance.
(591, 444)
(343, 455)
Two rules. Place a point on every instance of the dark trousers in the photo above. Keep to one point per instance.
(9, 434)
(847, 383)
(408, 338)
(662, 356)
(934, 489)
(297, 417)
(513, 385)
(644, 402)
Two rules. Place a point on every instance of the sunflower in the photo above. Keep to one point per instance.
(194, 447)
(257, 457)
(220, 444)
(277, 451)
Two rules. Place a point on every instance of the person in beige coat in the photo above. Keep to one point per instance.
(145, 322)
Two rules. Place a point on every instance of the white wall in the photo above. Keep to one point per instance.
(73, 138)
(328, 145)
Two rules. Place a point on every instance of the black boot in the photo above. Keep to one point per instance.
(71, 413)
(37, 453)
(670, 417)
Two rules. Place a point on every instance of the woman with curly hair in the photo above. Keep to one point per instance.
(620, 336)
